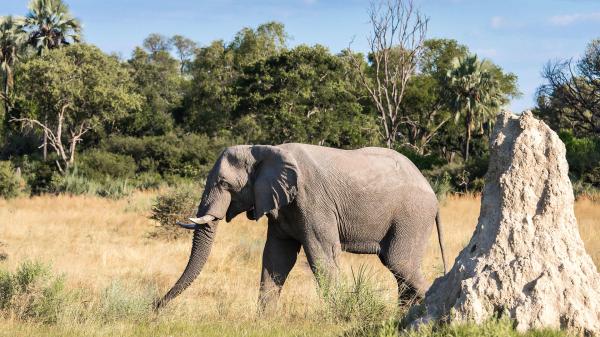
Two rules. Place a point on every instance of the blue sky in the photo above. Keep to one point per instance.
(521, 36)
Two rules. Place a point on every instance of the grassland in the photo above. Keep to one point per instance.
(112, 269)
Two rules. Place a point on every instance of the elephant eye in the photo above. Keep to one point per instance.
(224, 184)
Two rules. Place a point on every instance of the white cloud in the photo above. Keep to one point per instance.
(569, 19)
(497, 22)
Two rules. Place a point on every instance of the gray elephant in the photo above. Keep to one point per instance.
(366, 201)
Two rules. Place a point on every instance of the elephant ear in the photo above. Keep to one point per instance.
(275, 179)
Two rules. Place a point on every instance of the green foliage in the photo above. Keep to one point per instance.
(304, 93)
(32, 292)
(11, 183)
(74, 183)
(51, 24)
(71, 91)
(177, 204)
(583, 154)
(98, 165)
(190, 155)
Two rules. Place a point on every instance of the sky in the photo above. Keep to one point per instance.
(519, 35)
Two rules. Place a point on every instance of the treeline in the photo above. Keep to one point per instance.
(78, 120)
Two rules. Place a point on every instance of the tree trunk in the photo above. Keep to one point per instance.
(468, 140)
(201, 245)
(45, 143)
(6, 92)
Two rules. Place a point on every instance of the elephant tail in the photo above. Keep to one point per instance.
(438, 225)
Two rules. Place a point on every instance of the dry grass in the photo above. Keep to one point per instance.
(96, 242)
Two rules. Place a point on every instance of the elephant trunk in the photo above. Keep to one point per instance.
(201, 245)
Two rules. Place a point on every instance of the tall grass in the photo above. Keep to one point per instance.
(106, 271)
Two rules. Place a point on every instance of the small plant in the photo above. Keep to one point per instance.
(32, 292)
(178, 204)
(356, 299)
(11, 182)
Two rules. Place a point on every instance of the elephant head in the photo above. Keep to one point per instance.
(252, 179)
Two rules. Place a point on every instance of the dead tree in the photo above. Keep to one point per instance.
(396, 44)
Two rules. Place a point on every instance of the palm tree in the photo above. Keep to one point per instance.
(12, 40)
(474, 93)
(51, 25)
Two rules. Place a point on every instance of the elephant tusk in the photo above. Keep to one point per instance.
(187, 225)
(202, 220)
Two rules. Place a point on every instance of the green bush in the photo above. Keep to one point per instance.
(189, 155)
(11, 182)
(177, 204)
(147, 181)
(32, 292)
(114, 188)
(40, 175)
(97, 165)
(423, 162)
(583, 154)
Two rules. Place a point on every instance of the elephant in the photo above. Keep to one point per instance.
(325, 200)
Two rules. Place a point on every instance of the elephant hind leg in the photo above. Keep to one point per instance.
(401, 253)
(411, 283)
(279, 257)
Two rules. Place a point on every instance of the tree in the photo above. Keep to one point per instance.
(185, 49)
(211, 99)
(571, 97)
(425, 102)
(303, 95)
(155, 43)
(475, 93)
(157, 80)
(51, 25)
(12, 40)
(77, 88)
(396, 45)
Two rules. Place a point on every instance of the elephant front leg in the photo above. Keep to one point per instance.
(279, 256)
(322, 254)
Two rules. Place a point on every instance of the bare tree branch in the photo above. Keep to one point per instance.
(396, 44)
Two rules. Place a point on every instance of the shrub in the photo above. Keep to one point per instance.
(114, 188)
(352, 300)
(189, 155)
(423, 162)
(11, 182)
(74, 184)
(177, 204)
(32, 292)
(97, 165)
(583, 154)
(40, 175)
(147, 181)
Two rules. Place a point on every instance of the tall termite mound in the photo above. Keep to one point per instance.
(526, 258)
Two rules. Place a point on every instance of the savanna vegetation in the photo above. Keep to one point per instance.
(78, 120)
(89, 139)
(91, 266)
